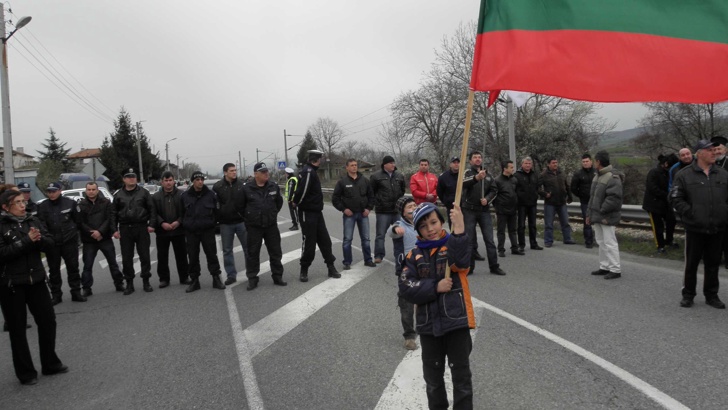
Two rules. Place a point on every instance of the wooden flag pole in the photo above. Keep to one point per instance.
(463, 155)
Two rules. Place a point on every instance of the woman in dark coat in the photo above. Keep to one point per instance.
(655, 203)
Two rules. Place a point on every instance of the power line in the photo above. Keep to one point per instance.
(366, 115)
(364, 124)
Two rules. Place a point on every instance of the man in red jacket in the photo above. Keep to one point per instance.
(423, 184)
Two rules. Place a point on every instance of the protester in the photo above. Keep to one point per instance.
(444, 308)
(96, 227)
(199, 215)
(506, 209)
(168, 229)
(61, 217)
(555, 191)
(291, 185)
(604, 212)
(261, 202)
(353, 196)
(309, 201)
(699, 196)
(232, 223)
(686, 158)
(22, 239)
(388, 186)
(581, 184)
(527, 192)
(721, 162)
(404, 236)
(423, 184)
(656, 204)
(447, 186)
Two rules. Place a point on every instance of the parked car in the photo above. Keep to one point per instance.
(75, 180)
(152, 188)
(77, 194)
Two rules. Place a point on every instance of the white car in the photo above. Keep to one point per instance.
(77, 194)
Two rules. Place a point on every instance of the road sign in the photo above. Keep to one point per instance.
(281, 164)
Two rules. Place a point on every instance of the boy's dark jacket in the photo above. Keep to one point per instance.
(439, 313)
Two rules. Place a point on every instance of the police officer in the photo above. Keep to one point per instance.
(291, 184)
(199, 216)
(310, 203)
(32, 207)
(96, 228)
(261, 203)
(61, 217)
(168, 231)
(134, 214)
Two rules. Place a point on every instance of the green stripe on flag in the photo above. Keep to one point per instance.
(701, 20)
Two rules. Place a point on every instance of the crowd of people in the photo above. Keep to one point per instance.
(696, 190)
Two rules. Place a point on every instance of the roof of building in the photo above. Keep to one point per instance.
(86, 153)
(22, 154)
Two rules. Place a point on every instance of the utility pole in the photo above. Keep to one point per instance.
(139, 151)
(511, 131)
(240, 164)
(256, 155)
(178, 167)
(166, 151)
(285, 146)
(244, 174)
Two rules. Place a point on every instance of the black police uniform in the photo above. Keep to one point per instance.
(134, 213)
(261, 205)
(199, 216)
(98, 216)
(61, 217)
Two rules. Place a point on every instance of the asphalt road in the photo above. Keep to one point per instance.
(550, 336)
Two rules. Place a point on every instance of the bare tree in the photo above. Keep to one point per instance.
(328, 134)
(671, 126)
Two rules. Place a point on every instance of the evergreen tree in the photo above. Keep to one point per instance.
(307, 144)
(57, 153)
(119, 152)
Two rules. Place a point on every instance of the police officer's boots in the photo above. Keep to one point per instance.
(76, 296)
(304, 274)
(217, 283)
(195, 285)
(56, 299)
(333, 273)
(146, 286)
(129, 287)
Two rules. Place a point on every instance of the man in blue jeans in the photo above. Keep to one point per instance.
(388, 186)
(229, 191)
(581, 184)
(354, 197)
(555, 191)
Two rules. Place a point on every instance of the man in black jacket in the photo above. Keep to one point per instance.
(555, 191)
(527, 191)
(388, 186)
(22, 283)
(96, 229)
(134, 214)
(168, 229)
(309, 201)
(261, 202)
(229, 191)
(60, 215)
(479, 190)
(506, 209)
(656, 204)
(354, 197)
(580, 187)
(447, 185)
(199, 216)
(700, 197)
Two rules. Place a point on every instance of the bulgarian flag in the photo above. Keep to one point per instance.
(604, 50)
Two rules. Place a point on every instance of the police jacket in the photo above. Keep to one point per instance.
(291, 185)
(308, 196)
(655, 199)
(229, 195)
(422, 184)
(581, 183)
(605, 201)
(168, 207)
(446, 187)
(555, 183)
(31, 208)
(61, 218)
(134, 207)
(353, 194)
(439, 313)
(20, 261)
(261, 204)
(474, 190)
(96, 216)
(387, 190)
(506, 203)
(199, 209)
(527, 187)
(701, 200)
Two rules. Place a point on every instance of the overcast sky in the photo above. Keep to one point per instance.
(223, 75)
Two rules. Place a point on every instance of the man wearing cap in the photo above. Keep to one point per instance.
(720, 151)
(699, 196)
(199, 215)
(168, 231)
(32, 207)
(61, 217)
(135, 215)
(261, 201)
(423, 184)
(388, 186)
(354, 197)
(97, 227)
(229, 192)
(309, 200)
(291, 184)
(447, 185)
